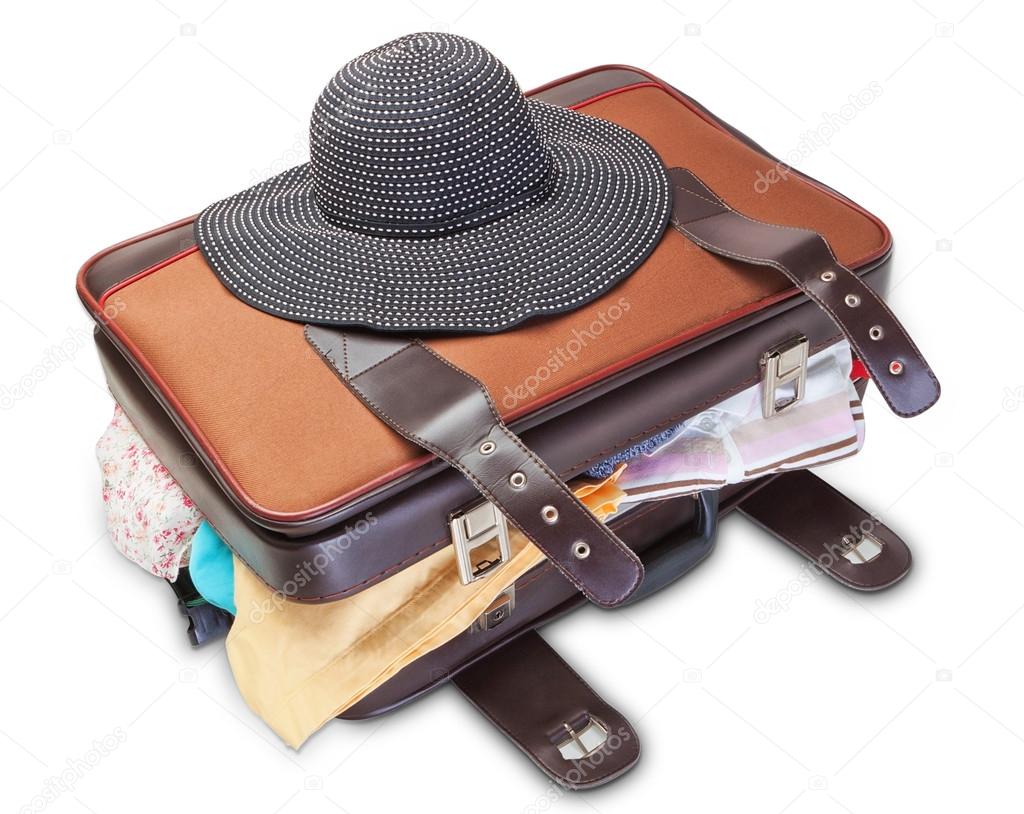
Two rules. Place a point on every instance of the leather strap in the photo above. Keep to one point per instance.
(816, 520)
(894, 362)
(528, 692)
(448, 412)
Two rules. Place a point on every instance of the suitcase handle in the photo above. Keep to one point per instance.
(679, 551)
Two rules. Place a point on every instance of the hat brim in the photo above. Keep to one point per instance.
(605, 212)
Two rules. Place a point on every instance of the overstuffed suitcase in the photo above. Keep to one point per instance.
(247, 412)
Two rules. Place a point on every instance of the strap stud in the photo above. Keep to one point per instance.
(549, 514)
(828, 276)
(896, 367)
(517, 480)
(581, 550)
(487, 447)
(852, 300)
(876, 332)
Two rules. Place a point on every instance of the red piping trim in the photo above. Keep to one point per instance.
(710, 119)
(613, 92)
(127, 281)
(284, 516)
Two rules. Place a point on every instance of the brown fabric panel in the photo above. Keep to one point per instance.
(280, 420)
(295, 439)
(730, 168)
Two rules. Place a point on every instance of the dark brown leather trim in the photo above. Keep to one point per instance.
(572, 90)
(115, 264)
(383, 535)
(443, 409)
(896, 366)
(529, 692)
(816, 520)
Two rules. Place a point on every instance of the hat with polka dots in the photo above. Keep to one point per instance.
(438, 198)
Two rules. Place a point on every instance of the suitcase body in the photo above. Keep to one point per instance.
(594, 408)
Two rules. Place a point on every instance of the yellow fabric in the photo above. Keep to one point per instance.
(299, 665)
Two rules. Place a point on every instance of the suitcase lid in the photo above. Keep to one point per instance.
(294, 449)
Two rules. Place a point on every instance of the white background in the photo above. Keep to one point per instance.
(118, 117)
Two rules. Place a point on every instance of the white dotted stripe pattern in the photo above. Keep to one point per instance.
(425, 135)
(437, 198)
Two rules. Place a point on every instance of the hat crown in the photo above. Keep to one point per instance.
(426, 135)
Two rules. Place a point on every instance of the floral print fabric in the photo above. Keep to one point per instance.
(150, 519)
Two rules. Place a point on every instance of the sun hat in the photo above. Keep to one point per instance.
(438, 198)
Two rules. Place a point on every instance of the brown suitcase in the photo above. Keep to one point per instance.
(284, 461)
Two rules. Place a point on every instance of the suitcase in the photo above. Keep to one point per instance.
(247, 412)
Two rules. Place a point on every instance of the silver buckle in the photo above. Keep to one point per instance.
(584, 742)
(482, 524)
(498, 611)
(784, 364)
(862, 549)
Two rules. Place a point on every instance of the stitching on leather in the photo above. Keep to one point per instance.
(805, 287)
(497, 720)
(714, 200)
(807, 553)
(675, 222)
(387, 358)
(604, 453)
(480, 485)
(633, 516)
(860, 284)
(619, 548)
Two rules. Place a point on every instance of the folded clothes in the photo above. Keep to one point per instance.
(299, 664)
(732, 442)
(150, 519)
(206, 622)
(212, 568)
(645, 447)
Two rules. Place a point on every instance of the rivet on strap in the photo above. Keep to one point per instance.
(698, 213)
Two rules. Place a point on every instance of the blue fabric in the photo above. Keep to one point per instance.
(212, 568)
(607, 466)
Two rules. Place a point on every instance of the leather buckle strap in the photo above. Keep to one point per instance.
(845, 541)
(897, 367)
(528, 691)
(446, 411)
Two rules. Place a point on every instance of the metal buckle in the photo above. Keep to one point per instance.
(786, 363)
(863, 549)
(582, 741)
(498, 611)
(482, 524)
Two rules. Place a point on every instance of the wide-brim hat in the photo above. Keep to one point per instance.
(439, 198)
